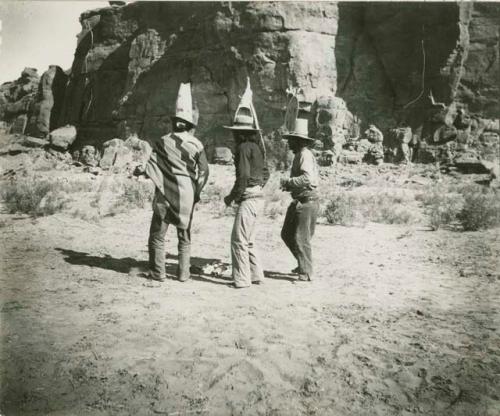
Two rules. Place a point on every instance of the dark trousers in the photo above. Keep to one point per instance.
(156, 248)
(297, 231)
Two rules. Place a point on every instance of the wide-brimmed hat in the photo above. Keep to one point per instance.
(184, 108)
(300, 130)
(245, 118)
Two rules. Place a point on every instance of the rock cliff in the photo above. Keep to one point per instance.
(390, 64)
(130, 61)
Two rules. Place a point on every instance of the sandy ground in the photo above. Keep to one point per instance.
(398, 321)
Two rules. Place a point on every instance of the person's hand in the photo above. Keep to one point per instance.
(138, 171)
(283, 183)
(227, 200)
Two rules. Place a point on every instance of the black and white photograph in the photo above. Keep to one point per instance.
(249, 208)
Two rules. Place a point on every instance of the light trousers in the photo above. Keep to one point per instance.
(245, 260)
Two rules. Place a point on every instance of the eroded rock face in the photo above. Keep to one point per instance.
(47, 104)
(390, 64)
(130, 60)
(16, 99)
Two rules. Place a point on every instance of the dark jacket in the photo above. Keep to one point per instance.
(251, 169)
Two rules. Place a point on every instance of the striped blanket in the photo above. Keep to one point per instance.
(179, 169)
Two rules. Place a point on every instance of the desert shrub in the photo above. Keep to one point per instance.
(353, 206)
(75, 186)
(212, 192)
(34, 197)
(441, 205)
(387, 207)
(87, 214)
(481, 208)
(340, 209)
(136, 194)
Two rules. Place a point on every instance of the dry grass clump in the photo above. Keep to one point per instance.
(40, 196)
(441, 204)
(481, 208)
(349, 207)
(117, 195)
(469, 207)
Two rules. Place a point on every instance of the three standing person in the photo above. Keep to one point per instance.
(178, 167)
(251, 175)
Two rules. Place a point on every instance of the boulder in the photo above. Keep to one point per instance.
(34, 142)
(223, 156)
(471, 162)
(89, 156)
(490, 139)
(374, 154)
(63, 137)
(331, 122)
(351, 157)
(116, 155)
(326, 158)
(141, 150)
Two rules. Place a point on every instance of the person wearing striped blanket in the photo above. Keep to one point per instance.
(178, 167)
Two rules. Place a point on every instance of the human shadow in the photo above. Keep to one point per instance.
(127, 265)
(280, 276)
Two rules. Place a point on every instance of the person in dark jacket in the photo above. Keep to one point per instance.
(251, 176)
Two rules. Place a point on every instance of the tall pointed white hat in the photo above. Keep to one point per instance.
(184, 108)
(245, 117)
(295, 126)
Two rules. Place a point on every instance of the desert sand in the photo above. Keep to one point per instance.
(399, 320)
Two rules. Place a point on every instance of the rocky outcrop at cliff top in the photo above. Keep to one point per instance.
(16, 98)
(31, 104)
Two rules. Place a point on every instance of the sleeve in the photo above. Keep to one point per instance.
(203, 172)
(242, 173)
(303, 180)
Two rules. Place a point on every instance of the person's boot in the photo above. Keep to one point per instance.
(304, 278)
(183, 269)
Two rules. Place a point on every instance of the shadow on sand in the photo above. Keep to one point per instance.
(129, 265)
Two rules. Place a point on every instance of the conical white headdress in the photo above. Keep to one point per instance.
(184, 108)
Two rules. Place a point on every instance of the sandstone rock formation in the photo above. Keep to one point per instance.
(130, 60)
(16, 98)
(48, 102)
(390, 64)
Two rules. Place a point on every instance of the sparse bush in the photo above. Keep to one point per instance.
(340, 209)
(211, 193)
(33, 197)
(441, 205)
(481, 208)
(136, 194)
(353, 206)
